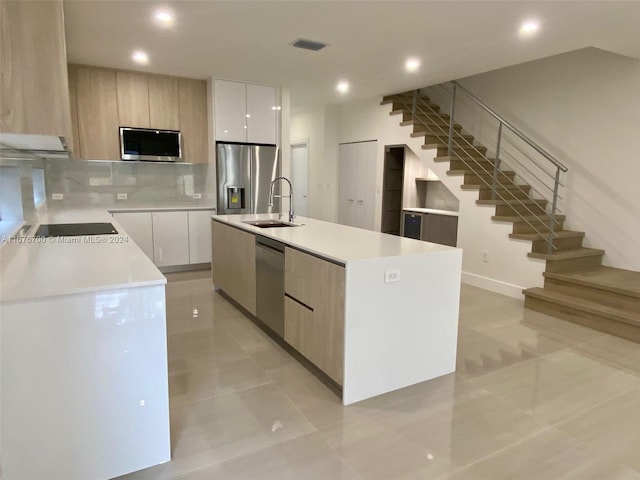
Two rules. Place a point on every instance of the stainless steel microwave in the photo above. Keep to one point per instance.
(150, 144)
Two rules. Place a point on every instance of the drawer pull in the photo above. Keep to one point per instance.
(299, 302)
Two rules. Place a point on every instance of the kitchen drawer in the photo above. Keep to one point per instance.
(298, 281)
(298, 329)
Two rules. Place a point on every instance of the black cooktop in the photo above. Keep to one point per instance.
(75, 229)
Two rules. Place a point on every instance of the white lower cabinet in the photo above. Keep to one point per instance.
(138, 227)
(200, 236)
(170, 238)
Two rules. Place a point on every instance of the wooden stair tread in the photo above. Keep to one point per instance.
(512, 186)
(616, 280)
(568, 254)
(620, 315)
(522, 201)
(463, 172)
(537, 236)
(480, 158)
(524, 218)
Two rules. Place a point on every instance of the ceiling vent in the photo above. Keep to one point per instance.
(308, 44)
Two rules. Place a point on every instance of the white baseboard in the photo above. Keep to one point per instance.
(508, 289)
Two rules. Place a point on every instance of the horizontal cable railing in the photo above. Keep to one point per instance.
(503, 184)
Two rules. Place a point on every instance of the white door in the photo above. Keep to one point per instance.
(347, 178)
(300, 178)
(366, 185)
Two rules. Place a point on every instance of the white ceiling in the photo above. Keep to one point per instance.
(369, 40)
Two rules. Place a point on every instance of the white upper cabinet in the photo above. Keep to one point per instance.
(261, 114)
(230, 104)
(245, 112)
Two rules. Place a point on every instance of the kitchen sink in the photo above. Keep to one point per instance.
(270, 223)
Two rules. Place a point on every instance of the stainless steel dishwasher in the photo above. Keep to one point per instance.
(270, 283)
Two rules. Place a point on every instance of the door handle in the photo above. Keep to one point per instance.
(349, 199)
(360, 201)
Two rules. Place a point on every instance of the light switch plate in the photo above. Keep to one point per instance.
(391, 276)
(57, 196)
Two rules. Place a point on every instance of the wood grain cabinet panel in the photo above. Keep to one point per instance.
(163, 102)
(193, 119)
(317, 329)
(97, 113)
(74, 145)
(233, 266)
(133, 99)
(34, 92)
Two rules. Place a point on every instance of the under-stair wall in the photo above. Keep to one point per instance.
(508, 269)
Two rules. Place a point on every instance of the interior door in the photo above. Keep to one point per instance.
(300, 177)
(347, 178)
(366, 185)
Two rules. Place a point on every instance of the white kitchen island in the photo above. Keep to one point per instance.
(398, 310)
(84, 386)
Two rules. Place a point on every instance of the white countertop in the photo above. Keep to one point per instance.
(160, 208)
(71, 265)
(449, 213)
(339, 243)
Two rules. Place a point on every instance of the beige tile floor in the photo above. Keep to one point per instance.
(534, 397)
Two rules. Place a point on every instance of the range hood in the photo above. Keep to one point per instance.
(46, 146)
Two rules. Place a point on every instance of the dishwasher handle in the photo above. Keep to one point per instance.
(269, 243)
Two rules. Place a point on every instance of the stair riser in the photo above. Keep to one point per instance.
(472, 164)
(540, 227)
(408, 105)
(604, 297)
(462, 151)
(587, 319)
(574, 264)
(432, 130)
(478, 179)
(508, 210)
(540, 246)
(510, 194)
(437, 136)
(432, 118)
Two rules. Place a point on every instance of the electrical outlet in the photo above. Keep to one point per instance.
(57, 196)
(122, 196)
(197, 196)
(391, 276)
(485, 256)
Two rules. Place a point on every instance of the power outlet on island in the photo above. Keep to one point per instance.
(391, 276)
(197, 196)
(485, 256)
(122, 196)
(57, 196)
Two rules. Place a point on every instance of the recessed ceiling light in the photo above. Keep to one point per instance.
(343, 86)
(164, 17)
(140, 57)
(412, 65)
(278, 107)
(529, 28)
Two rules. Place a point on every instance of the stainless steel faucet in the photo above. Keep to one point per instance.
(292, 215)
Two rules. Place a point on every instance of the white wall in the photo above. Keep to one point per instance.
(584, 108)
(318, 127)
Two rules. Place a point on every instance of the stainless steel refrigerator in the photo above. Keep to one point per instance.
(244, 174)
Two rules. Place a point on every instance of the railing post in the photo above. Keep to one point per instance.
(414, 105)
(453, 111)
(496, 164)
(554, 204)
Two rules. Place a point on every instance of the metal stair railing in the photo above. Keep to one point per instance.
(471, 157)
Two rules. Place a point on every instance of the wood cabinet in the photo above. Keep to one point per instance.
(314, 310)
(442, 229)
(193, 120)
(34, 92)
(357, 184)
(97, 104)
(102, 100)
(233, 264)
(164, 102)
(245, 112)
(133, 99)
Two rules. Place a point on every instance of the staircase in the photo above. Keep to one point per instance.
(577, 287)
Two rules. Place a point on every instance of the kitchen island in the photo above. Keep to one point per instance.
(371, 311)
(84, 386)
